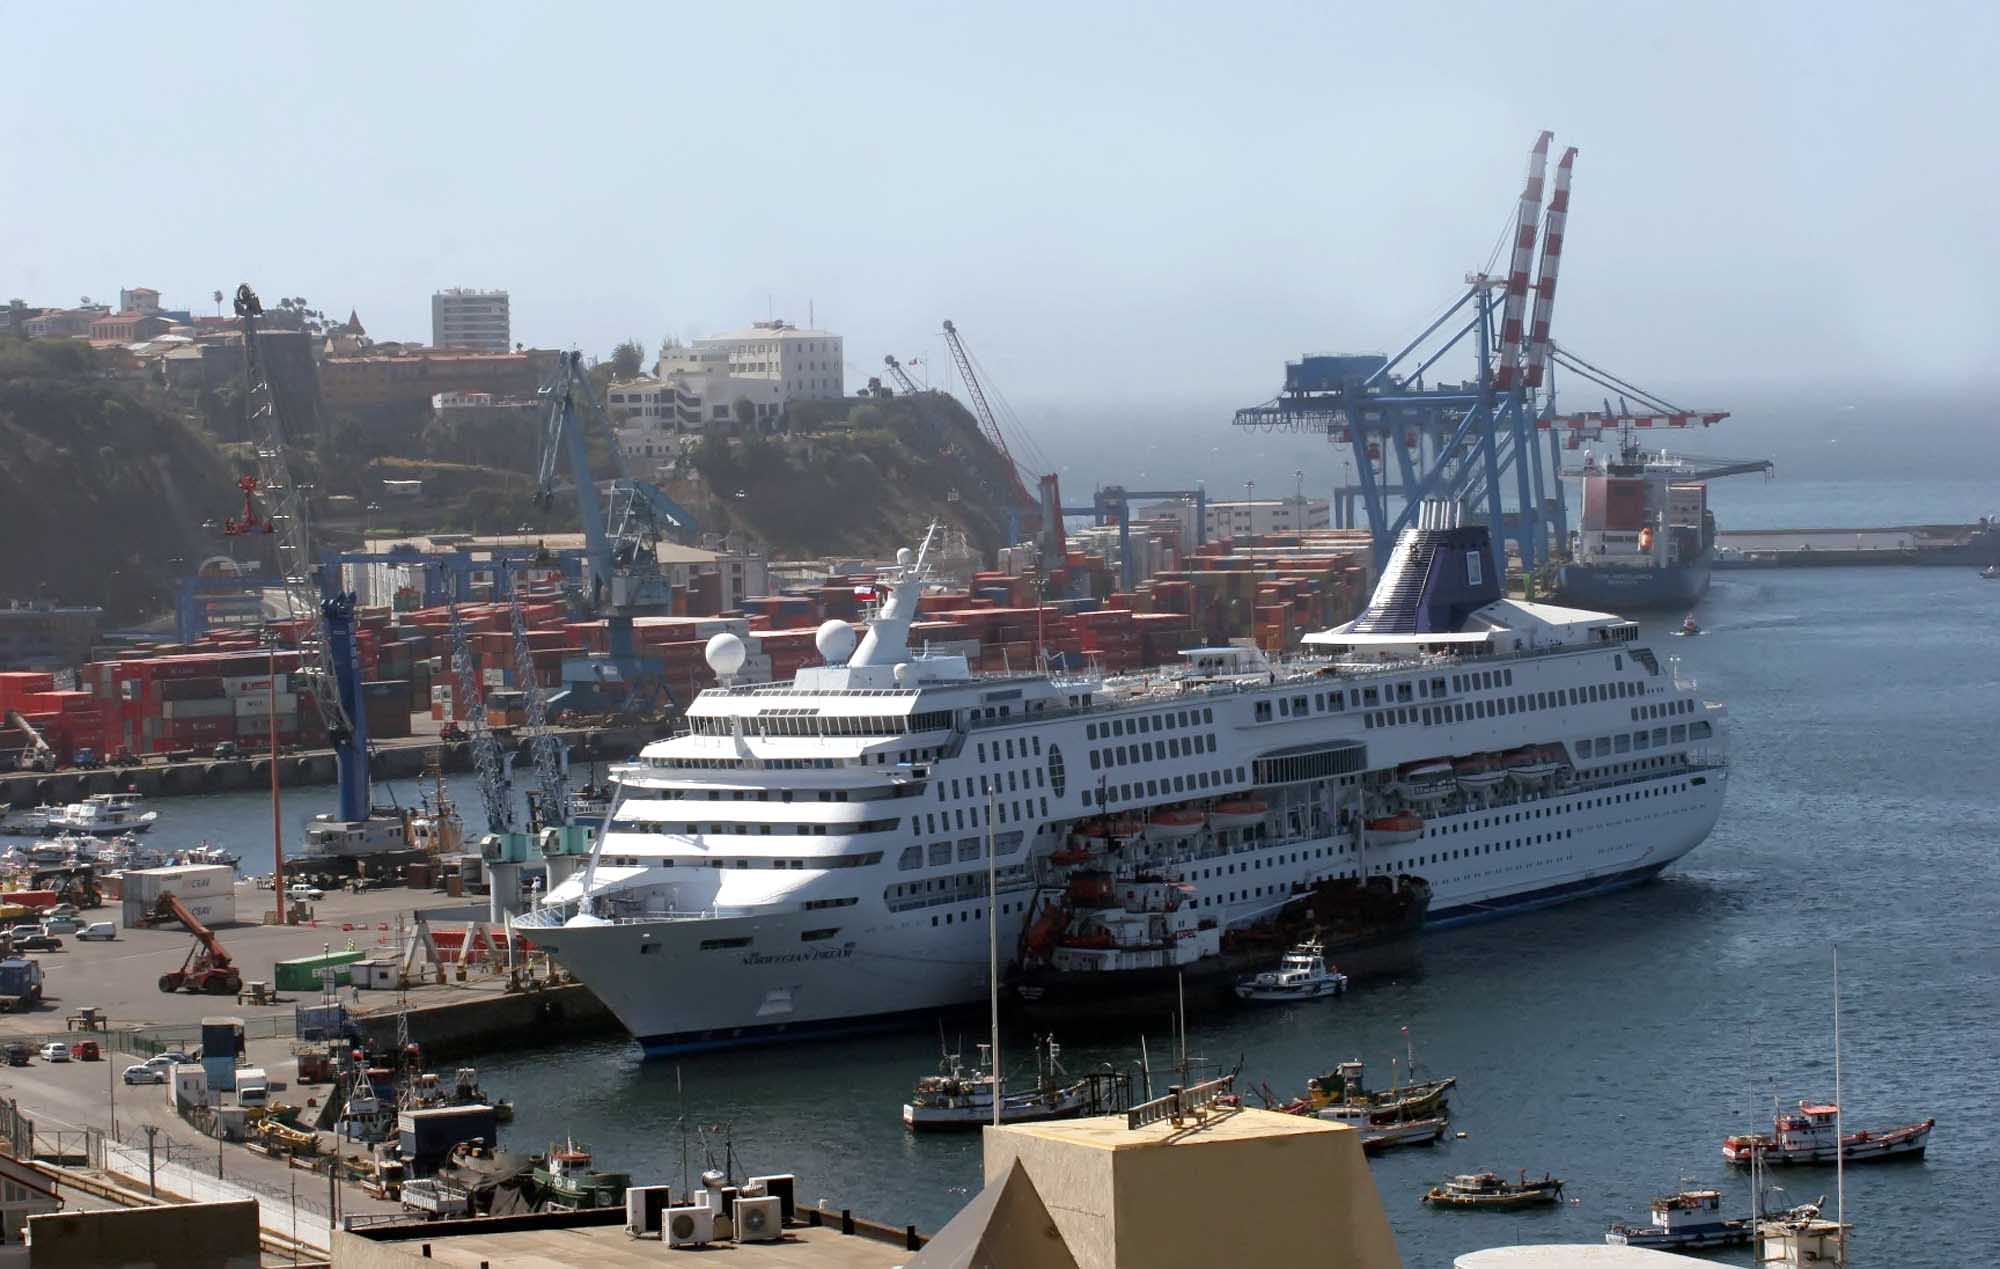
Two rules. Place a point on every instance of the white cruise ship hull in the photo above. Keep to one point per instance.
(725, 981)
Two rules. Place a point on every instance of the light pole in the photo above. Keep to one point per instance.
(1249, 507)
(277, 818)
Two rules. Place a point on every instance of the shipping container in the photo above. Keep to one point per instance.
(302, 973)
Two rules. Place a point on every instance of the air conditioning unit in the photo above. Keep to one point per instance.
(784, 1187)
(644, 1207)
(722, 1201)
(760, 1220)
(689, 1226)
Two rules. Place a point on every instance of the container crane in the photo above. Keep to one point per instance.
(208, 968)
(551, 806)
(621, 568)
(312, 593)
(496, 791)
(989, 424)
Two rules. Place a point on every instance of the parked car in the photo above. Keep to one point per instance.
(302, 891)
(54, 1051)
(169, 1057)
(145, 1073)
(98, 930)
(18, 1054)
(32, 938)
(228, 749)
(61, 925)
(85, 1051)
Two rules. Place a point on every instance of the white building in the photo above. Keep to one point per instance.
(463, 318)
(1239, 518)
(808, 364)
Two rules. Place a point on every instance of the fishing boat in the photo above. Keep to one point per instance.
(1302, 975)
(1486, 1191)
(1809, 1137)
(1426, 1130)
(1345, 1086)
(1685, 1219)
(961, 1097)
(465, 1091)
(29, 821)
(570, 1183)
(207, 853)
(1394, 830)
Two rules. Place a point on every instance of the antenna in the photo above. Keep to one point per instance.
(992, 940)
(1839, 1142)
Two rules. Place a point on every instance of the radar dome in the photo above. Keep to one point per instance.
(726, 654)
(835, 641)
(903, 673)
(905, 556)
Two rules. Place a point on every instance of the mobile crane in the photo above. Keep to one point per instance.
(208, 969)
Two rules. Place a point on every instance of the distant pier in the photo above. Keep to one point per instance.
(1943, 545)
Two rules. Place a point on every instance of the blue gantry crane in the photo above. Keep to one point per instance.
(621, 577)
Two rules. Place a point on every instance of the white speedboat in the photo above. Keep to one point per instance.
(1302, 975)
(104, 814)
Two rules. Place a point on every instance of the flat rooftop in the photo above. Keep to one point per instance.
(1108, 1132)
(608, 1247)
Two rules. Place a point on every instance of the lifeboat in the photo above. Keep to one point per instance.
(1072, 854)
(1239, 813)
(1177, 823)
(1113, 830)
(1089, 887)
(1393, 830)
(1425, 780)
(1532, 763)
(1042, 934)
(1478, 772)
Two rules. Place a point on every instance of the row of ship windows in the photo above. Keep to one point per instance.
(1007, 746)
(885, 758)
(909, 895)
(760, 830)
(1401, 693)
(968, 849)
(1017, 781)
(809, 722)
(1144, 751)
(1679, 733)
(979, 815)
(862, 860)
(1500, 706)
(977, 914)
(1167, 721)
(1662, 709)
(1164, 787)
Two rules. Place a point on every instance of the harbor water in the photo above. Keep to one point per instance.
(1612, 1041)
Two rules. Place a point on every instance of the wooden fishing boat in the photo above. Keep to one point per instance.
(1487, 1192)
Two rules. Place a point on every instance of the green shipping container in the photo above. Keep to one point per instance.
(303, 974)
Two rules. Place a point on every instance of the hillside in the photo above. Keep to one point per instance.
(103, 489)
(854, 478)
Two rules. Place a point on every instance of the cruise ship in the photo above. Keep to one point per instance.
(813, 856)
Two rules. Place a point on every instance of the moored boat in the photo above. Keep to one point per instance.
(1686, 1219)
(1345, 1086)
(570, 1183)
(960, 1097)
(1425, 1130)
(1302, 975)
(1808, 1137)
(104, 813)
(1485, 1190)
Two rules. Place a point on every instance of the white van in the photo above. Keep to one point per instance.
(105, 930)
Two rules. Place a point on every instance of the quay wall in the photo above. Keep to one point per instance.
(393, 761)
(485, 1021)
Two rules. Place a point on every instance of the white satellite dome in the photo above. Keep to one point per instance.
(903, 673)
(835, 641)
(905, 556)
(726, 654)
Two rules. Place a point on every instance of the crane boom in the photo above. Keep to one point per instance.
(1553, 230)
(541, 741)
(312, 595)
(988, 422)
(494, 790)
(900, 375)
(1515, 309)
(208, 967)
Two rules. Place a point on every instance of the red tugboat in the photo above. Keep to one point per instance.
(1808, 1137)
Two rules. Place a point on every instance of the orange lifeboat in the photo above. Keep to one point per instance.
(1074, 853)
(1042, 934)
(1177, 822)
(1090, 887)
(1392, 830)
(1239, 813)
(1113, 830)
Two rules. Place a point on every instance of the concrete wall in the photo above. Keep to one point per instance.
(1250, 1188)
(221, 1234)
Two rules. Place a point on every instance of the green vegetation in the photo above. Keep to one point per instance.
(104, 489)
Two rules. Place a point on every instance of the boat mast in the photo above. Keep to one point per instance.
(992, 936)
(1839, 1142)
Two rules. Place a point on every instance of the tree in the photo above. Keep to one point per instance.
(627, 359)
(670, 344)
(746, 415)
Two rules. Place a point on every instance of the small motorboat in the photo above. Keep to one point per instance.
(1302, 975)
(1427, 1130)
(1485, 1190)
(1991, 572)
(1689, 626)
(1688, 1219)
(1239, 813)
(1394, 830)
(1808, 1137)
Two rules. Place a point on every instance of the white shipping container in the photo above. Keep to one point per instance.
(212, 911)
(252, 684)
(189, 881)
(440, 693)
(259, 706)
(494, 677)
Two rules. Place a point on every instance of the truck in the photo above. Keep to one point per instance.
(253, 1088)
(20, 984)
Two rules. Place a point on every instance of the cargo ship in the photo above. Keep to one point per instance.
(1645, 539)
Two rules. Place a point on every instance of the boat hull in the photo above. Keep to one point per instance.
(1734, 1233)
(1900, 1143)
(1612, 589)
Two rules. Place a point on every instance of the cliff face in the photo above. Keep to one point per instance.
(101, 488)
(856, 478)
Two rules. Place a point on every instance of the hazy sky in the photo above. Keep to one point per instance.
(1113, 202)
